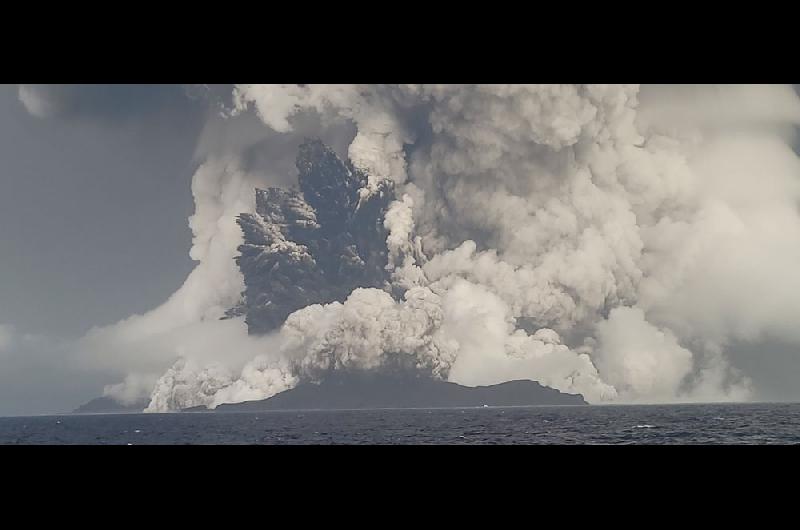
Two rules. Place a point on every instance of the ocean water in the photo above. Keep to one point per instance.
(761, 423)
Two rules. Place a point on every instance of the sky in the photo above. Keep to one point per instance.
(93, 209)
(96, 192)
(93, 225)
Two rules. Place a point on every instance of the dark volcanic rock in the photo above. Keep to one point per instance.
(313, 245)
(107, 405)
(368, 390)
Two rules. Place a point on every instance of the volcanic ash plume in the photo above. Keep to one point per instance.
(609, 240)
(315, 244)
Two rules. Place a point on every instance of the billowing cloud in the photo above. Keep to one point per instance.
(134, 389)
(612, 240)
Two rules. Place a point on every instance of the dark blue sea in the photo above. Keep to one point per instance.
(761, 423)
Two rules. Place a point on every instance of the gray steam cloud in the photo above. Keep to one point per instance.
(612, 240)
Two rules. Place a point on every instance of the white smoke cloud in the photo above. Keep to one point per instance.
(490, 350)
(261, 378)
(465, 336)
(135, 388)
(186, 385)
(381, 134)
(718, 108)
(731, 271)
(638, 359)
(368, 328)
(405, 247)
(607, 239)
